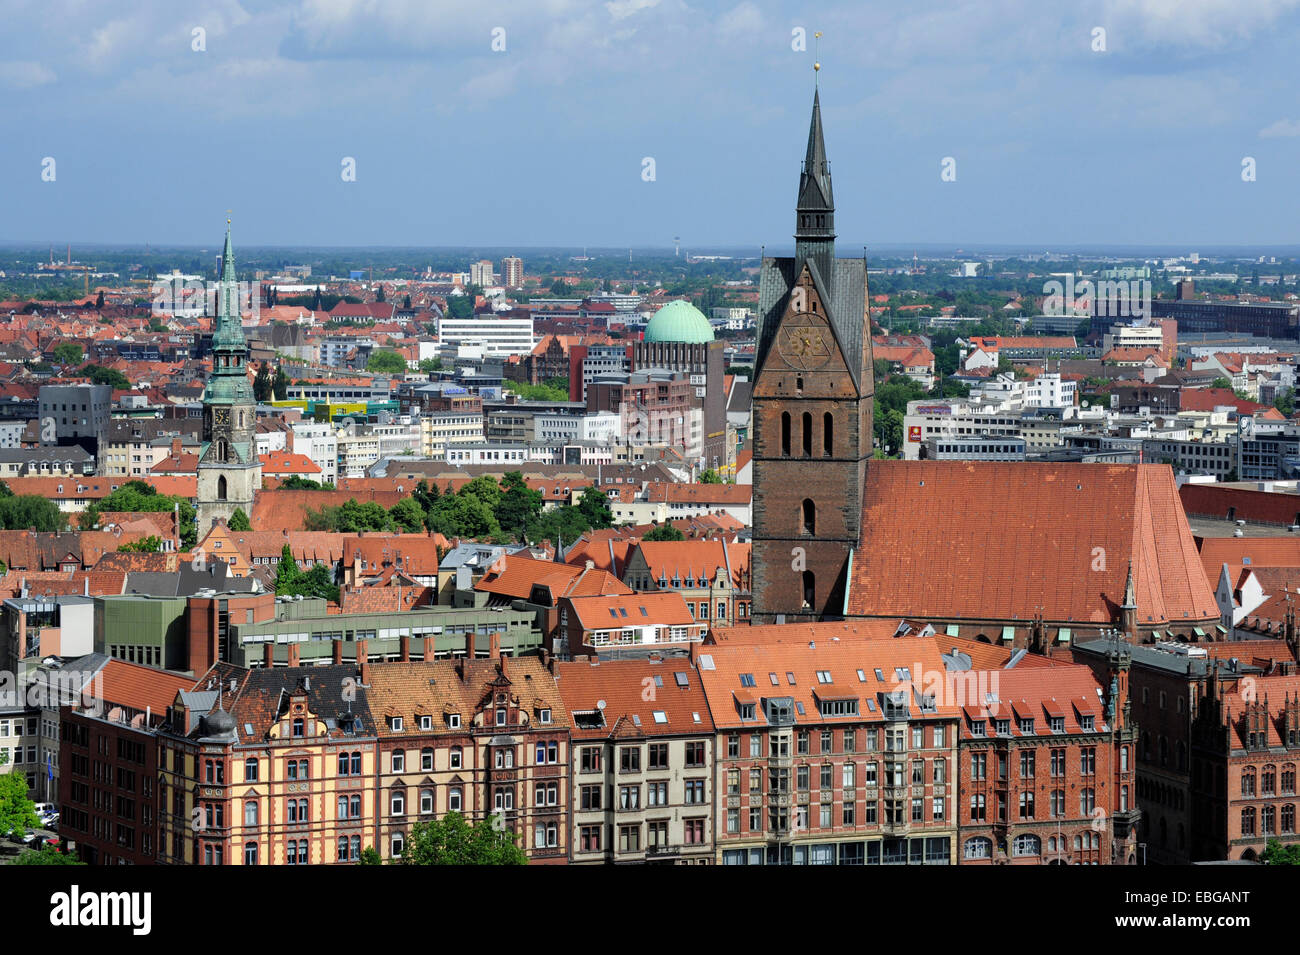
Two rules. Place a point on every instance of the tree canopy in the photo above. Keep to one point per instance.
(451, 840)
(137, 497)
(385, 362)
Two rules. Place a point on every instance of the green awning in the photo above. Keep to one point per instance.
(1221, 628)
(952, 630)
(1063, 634)
(1198, 631)
(1008, 633)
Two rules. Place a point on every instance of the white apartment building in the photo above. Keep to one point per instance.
(602, 427)
(556, 428)
(268, 441)
(1049, 391)
(928, 419)
(497, 336)
(461, 454)
(1133, 336)
(357, 452)
(441, 428)
(316, 440)
(480, 272)
(11, 433)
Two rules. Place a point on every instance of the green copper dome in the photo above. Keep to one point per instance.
(679, 322)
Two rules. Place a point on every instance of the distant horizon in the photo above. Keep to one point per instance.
(844, 249)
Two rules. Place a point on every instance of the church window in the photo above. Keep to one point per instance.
(809, 517)
(807, 435)
(785, 433)
(809, 589)
(221, 485)
(828, 434)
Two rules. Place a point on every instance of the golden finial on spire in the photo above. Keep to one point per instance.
(816, 48)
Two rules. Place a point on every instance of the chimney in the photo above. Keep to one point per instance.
(294, 654)
(406, 649)
(469, 646)
(363, 661)
(268, 654)
(85, 586)
(494, 645)
(338, 652)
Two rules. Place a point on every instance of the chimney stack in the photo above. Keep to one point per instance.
(363, 661)
(294, 654)
(338, 652)
(406, 649)
(268, 654)
(494, 645)
(469, 646)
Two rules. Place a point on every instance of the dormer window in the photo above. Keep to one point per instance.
(426, 722)
(395, 723)
(501, 716)
(977, 728)
(453, 721)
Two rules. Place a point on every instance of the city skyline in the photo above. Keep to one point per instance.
(1055, 141)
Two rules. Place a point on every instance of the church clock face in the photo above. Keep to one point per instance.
(221, 417)
(804, 343)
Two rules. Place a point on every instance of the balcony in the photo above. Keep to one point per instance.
(660, 852)
(900, 828)
(778, 799)
(1125, 822)
(780, 762)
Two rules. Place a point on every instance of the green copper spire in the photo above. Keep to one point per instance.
(228, 333)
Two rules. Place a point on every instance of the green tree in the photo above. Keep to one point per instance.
(460, 306)
(1285, 402)
(296, 482)
(262, 387)
(710, 476)
(664, 532)
(408, 515)
(30, 512)
(594, 506)
(484, 488)
(451, 840)
(151, 544)
(429, 365)
(1225, 383)
(17, 812)
(1275, 853)
(370, 855)
(386, 362)
(100, 375)
(46, 855)
(280, 385)
(560, 288)
(519, 505)
(537, 392)
(68, 353)
(239, 521)
(379, 294)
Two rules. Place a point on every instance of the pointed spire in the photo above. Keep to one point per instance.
(1130, 597)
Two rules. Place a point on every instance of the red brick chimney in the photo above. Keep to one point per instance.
(494, 645)
(469, 646)
(363, 661)
(338, 652)
(406, 649)
(295, 653)
(268, 654)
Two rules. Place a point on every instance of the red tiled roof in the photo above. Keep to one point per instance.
(1005, 541)
(623, 684)
(140, 687)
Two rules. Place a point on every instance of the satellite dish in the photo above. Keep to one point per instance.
(600, 704)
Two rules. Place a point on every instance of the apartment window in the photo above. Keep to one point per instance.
(1027, 805)
(398, 803)
(399, 761)
(801, 742)
(733, 821)
(658, 756)
(801, 778)
(733, 746)
(426, 759)
(589, 797)
(693, 832)
(250, 770)
(694, 754)
(978, 766)
(977, 808)
(426, 801)
(657, 793)
(1027, 765)
(629, 838)
(694, 791)
(755, 746)
(629, 759)
(589, 838)
(848, 774)
(826, 744)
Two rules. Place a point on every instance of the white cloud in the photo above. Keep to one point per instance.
(620, 9)
(25, 74)
(1282, 129)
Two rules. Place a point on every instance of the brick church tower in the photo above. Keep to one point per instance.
(812, 405)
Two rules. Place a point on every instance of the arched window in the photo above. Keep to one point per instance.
(1026, 845)
(221, 487)
(250, 853)
(785, 434)
(809, 590)
(398, 805)
(426, 801)
(807, 435)
(250, 812)
(809, 517)
(977, 848)
(828, 434)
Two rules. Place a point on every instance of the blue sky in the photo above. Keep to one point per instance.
(543, 143)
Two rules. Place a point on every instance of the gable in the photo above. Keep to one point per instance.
(805, 345)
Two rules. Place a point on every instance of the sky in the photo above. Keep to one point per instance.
(628, 122)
